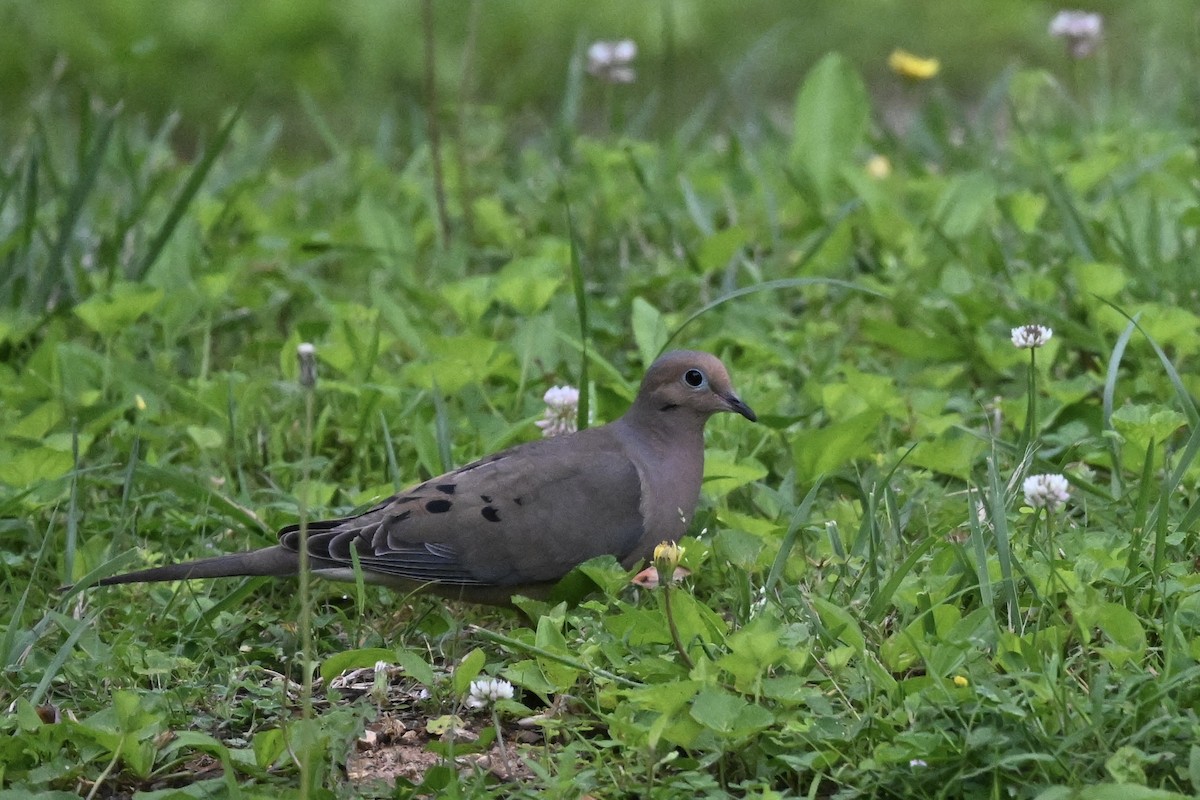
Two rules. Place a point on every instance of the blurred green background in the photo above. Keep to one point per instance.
(705, 61)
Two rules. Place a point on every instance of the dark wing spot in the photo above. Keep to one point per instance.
(447, 488)
(487, 498)
(437, 506)
(402, 516)
(406, 499)
(517, 500)
(491, 514)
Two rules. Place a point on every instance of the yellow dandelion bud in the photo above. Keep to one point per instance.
(139, 402)
(879, 167)
(666, 559)
(961, 681)
(911, 66)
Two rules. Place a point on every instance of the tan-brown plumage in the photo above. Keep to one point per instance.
(518, 521)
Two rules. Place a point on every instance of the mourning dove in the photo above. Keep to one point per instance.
(518, 521)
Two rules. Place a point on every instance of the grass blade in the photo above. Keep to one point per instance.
(190, 187)
(998, 512)
(581, 306)
(799, 517)
(783, 283)
(89, 170)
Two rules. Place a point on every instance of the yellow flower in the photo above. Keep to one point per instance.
(666, 559)
(878, 167)
(907, 65)
(139, 402)
(961, 681)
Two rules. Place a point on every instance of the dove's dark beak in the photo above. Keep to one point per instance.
(738, 407)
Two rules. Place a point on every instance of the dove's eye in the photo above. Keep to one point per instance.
(694, 378)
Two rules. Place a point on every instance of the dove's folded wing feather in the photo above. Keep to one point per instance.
(474, 526)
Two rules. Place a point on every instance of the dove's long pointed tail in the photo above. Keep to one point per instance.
(275, 561)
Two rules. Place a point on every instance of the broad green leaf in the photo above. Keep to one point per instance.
(15, 324)
(717, 710)
(1085, 174)
(206, 438)
(840, 624)
(606, 573)
(1096, 277)
(1128, 765)
(694, 620)
(671, 702)
(717, 250)
(415, 665)
(494, 223)
(550, 638)
(830, 122)
(1139, 424)
(354, 659)
(819, 451)
(527, 284)
(1026, 208)
(470, 297)
(729, 714)
(355, 338)
(912, 342)
(739, 548)
(111, 312)
(453, 363)
(38, 422)
(1119, 625)
(954, 453)
(640, 626)
(862, 391)
(34, 465)
(665, 698)
(528, 674)
(440, 726)
(1170, 326)
(468, 669)
(649, 330)
(965, 204)
(791, 690)
(906, 647)
(752, 653)
(723, 472)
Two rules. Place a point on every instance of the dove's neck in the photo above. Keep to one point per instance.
(668, 450)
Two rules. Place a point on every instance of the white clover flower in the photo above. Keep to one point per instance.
(1028, 336)
(918, 762)
(1081, 30)
(562, 411)
(611, 61)
(485, 691)
(1046, 491)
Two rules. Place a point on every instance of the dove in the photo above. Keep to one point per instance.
(517, 521)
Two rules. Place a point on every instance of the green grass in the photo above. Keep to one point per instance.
(872, 610)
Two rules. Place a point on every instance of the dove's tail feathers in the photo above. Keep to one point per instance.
(274, 561)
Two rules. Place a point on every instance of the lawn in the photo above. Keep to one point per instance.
(957, 556)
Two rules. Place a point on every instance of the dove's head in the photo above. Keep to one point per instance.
(690, 383)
